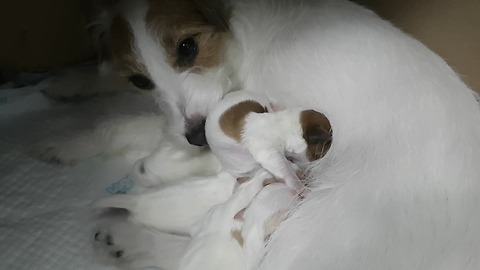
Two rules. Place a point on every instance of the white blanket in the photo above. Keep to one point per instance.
(45, 208)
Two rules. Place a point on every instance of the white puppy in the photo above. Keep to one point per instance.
(262, 217)
(244, 133)
(233, 235)
(215, 243)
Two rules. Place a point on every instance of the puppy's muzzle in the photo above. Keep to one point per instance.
(196, 135)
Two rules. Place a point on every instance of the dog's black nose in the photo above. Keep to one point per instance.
(196, 135)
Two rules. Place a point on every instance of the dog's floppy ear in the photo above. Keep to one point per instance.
(215, 12)
(97, 15)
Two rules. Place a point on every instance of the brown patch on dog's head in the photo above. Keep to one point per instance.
(193, 32)
(232, 120)
(317, 133)
(237, 235)
(122, 44)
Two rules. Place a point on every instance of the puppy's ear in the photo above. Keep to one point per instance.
(317, 135)
(215, 12)
(318, 142)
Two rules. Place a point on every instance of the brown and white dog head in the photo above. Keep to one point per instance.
(174, 47)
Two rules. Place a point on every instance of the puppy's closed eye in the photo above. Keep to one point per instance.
(141, 82)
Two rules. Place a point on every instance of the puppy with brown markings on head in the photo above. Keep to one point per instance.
(246, 135)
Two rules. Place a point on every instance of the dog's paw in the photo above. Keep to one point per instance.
(58, 92)
(69, 85)
(64, 151)
(131, 246)
(82, 82)
(78, 83)
(124, 245)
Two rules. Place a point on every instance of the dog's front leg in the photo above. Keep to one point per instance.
(154, 232)
(176, 207)
(126, 133)
(85, 81)
(128, 245)
(276, 163)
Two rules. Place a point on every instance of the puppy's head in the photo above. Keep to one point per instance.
(317, 133)
(176, 48)
(232, 121)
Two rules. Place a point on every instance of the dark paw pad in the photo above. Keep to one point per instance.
(117, 254)
(106, 239)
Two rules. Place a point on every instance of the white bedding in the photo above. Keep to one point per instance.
(44, 208)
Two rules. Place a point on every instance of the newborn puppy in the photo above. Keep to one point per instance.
(260, 219)
(246, 135)
(216, 239)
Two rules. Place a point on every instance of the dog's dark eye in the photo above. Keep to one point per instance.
(141, 82)
(187, 52)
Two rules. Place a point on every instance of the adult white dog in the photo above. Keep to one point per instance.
(399, 187)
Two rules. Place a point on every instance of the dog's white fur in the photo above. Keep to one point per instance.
(399, 186)
(119, 134)
(176, 207)
(136, 244)
(85, 81)
(266, 140)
